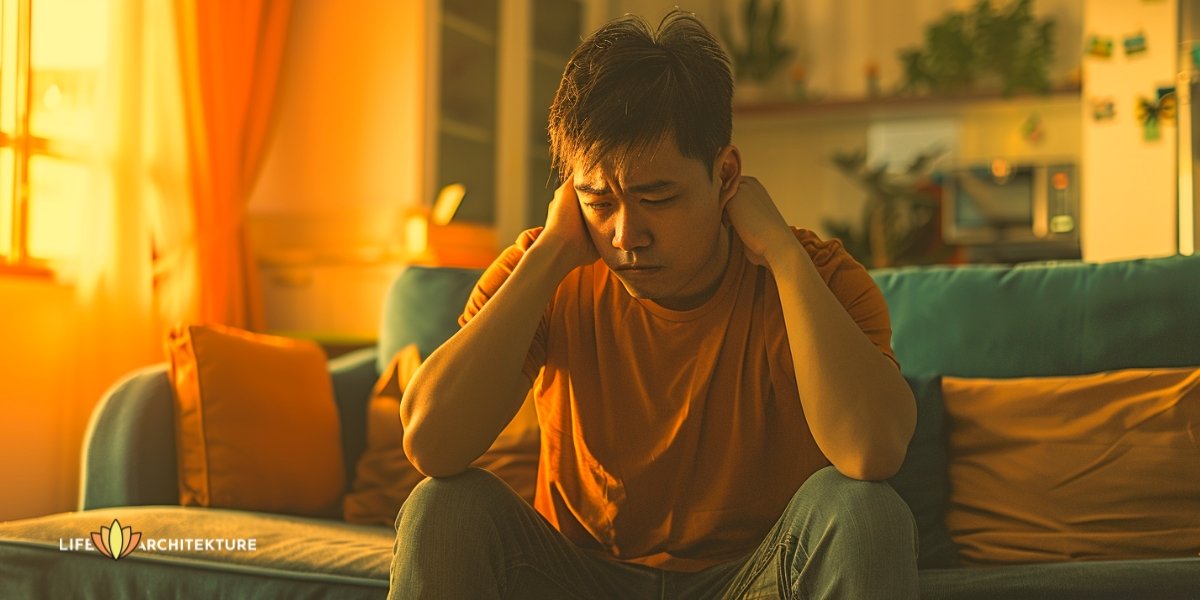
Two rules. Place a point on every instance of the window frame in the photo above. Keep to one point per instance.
(17, 258)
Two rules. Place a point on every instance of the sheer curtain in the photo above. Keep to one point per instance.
(184, 110)
(140, 176)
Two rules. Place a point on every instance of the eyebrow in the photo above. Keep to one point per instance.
(641, 188)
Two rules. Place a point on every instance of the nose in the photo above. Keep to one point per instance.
(630, 232)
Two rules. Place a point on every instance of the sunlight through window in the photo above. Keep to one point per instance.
(69, 46)
(8, 68)
(7, 179)
(8, 124)
(55, 219)
(57, 50)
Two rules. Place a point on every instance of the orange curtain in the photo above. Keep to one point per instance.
(231, 52)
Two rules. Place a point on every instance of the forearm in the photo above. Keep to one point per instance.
(858, 406)
(469, 389)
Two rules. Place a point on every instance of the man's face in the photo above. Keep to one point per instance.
(658, 226)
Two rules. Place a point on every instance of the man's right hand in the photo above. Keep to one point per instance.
(566, 232)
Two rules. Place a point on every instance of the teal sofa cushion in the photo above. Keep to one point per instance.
(422, 307)
(1044, 319)
(923, 480)
(354, 375)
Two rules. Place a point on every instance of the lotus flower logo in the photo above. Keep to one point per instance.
(116, 542)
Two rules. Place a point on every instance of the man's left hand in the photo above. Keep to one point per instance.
(758, 222)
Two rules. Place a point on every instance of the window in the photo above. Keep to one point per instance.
(51, 56)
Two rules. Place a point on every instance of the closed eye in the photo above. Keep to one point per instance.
(660, 200)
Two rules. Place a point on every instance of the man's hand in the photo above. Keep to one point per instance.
(565, 231)
(757, 221)
(857, 405)
(450, 420)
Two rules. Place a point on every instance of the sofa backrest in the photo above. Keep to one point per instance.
(1045, 319)
(422, 307)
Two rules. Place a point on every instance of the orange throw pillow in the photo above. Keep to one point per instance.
(256, 425)
(1088, 467)
(384, 477)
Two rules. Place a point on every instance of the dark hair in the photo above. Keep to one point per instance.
(626, 88)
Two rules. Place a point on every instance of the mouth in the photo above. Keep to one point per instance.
(629, 269)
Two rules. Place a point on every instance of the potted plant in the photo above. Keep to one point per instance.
(761, 54)
(1007, 48)
(901, 219)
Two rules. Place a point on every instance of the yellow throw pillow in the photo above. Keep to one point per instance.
(256, 424)
(384, 477)
(1089, 467)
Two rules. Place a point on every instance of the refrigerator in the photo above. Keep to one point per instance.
(1188, 93)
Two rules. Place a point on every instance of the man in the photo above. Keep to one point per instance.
(716, 391)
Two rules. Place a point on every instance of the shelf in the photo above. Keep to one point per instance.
(899, 106)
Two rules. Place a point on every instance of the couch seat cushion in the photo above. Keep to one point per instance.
(1161, 579)
(294, 557)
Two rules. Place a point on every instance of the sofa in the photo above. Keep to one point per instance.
(1034, 320)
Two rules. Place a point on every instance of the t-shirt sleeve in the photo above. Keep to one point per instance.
(490, 282)
(853, 287)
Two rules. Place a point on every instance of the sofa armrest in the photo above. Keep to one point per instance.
(129, 447)
(354, 376)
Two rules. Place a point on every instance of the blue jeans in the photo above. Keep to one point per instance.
(837, 538)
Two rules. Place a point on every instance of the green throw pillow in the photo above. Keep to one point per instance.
(422, 308)
(923, 480)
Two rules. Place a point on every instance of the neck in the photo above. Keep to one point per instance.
(719, 256)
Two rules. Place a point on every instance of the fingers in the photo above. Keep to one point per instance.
(741, 185)
(566, 191)
(728, 192)
(564, 197)
(566, 228)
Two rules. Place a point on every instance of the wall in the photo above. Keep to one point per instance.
(349, 130)
(37, 399)
(345, 160)
(68, 344)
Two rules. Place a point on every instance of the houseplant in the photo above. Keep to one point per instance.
(1006, 47)
(761, 53)
(900, 223)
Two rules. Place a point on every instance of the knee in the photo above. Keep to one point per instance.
(853, 538)
(836, 489)
(458, 501)
(864, 507)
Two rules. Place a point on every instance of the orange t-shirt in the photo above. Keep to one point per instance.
(674, 439)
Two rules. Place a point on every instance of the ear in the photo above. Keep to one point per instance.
(727, 171)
